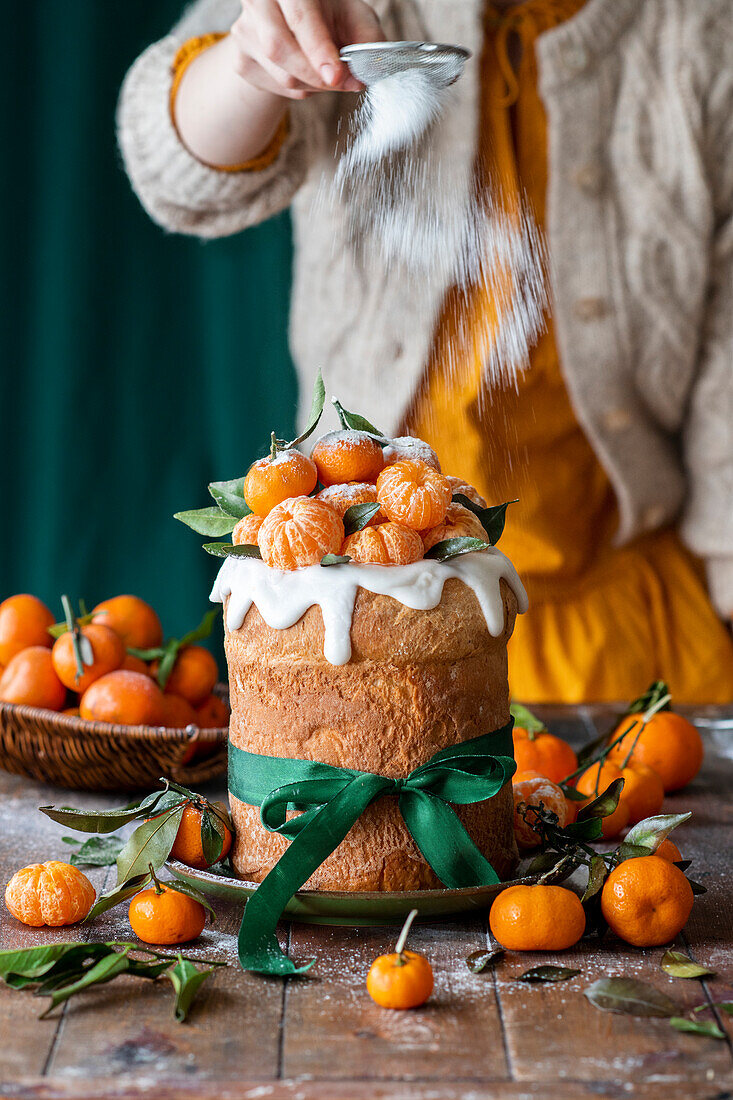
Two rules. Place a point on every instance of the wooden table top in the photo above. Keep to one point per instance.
(322, 1038)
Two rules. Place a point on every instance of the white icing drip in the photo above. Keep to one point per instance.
(283, 597)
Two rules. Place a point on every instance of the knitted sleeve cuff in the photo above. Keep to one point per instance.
(188, 52)
(720, 583)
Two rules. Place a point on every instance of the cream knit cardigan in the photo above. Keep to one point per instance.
(639, 98)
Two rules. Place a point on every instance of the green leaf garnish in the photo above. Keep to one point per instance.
(679, 965)
(697, 1027)
(118, 893)
(104, 821)
(97, 851)
(358, 515)
(208, 521)
(493, 518)
(630, 996)
(605, 803)
(650, 832)
(229, 496)
(226, 550)
(354, 422)
(107, 968)
(452, 548)
(187, 981)
(151, 843)
(335, 559)
(319, 400)
(548, 973)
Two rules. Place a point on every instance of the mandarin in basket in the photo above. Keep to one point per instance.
(414, 494)
(300, 532)
(646, 901)
(274, 479)
(543, 752)
(409, 446)
(213, 714)
(458, 485)
(132, 619)
(459, 523)
(123, 698)
(53, 894)
(668, 743)
(177, 712)
(246, 531)
(387, 544)
(342, 497)
(347, 456)
(537, 918)
(24, 622)
(108, 653)
(536, 792)
(194, 674)
(30, 680)
(135, 664)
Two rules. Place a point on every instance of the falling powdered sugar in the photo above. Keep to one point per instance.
(394, 114)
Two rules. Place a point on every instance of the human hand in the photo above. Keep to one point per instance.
(291, 47)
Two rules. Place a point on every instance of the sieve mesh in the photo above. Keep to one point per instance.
(373, 61)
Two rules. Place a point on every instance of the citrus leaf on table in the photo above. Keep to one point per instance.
(229, 495)
(97, 851)
(227, 550)
(18, 968)
(524, 718)
(103, 821)
(604, 804)
(358, 515)
(679, 965)
(186, 980)
(151, 843)
(479, 961)
(354, 422)
(492, 519)
(119, 893)
(650, 832)
(697, 888)
(697, 1027)
(630, 996)
(208, 521)
(335, 559)
(597, 873)
(319, 400)
(107, 968)
(452, 548)
(547, 973)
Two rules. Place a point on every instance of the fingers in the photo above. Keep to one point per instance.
(307, 24)
(358, 22)
(269, 56)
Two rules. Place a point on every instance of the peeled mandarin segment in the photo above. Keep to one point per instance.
(24, 622)
(341, 497)
(271, 481)
(537, 918)
(459, 523)
(347, 456)
(387, 544)
(30, 680)
(458, 485)
(53, 894)
(134, 620)
(300, 532)
(532, 792)
(405, 447)
(246, 531)
(646, 901)
(414, 494)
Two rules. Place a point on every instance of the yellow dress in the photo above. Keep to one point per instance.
(604, 621)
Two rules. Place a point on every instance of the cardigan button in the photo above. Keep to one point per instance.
(617, 420)
(590, 178)
(591, 309)
(575, 58)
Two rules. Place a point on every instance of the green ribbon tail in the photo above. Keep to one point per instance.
(439, 834)
(259, 949)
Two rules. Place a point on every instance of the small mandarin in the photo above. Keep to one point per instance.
(124, 698)
(245, 532)
(30, 680)
(614, 823)
(668, 743)
(533, 792)
(459, 486)
(409, 446)
(71, 712)
(177, 712)
(347, 456)
(543, 752)
(342, 497)
(669, 850)
(135, 664)
(213, 714)
(537, 918)
(300, 532)
(188, 845)
(643, 791)
(414, 494)
(194, 674)
(108, 653)
(387, 544)
(165, 916)
(403, 979)
(132, 619)
(24, 622)
(53, 894)
(459, 523)
(646, 901)
(270, 481)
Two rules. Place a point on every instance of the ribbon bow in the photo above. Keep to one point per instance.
(332, 799)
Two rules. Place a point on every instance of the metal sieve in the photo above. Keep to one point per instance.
(373, 61)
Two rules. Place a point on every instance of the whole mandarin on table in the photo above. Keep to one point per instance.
(194, 674)
(614, 823)
(342, 497)
(642, 792)
(108, 652)
(537, 918)
(458, 485)
(24, 622)
(387, 544)
(246, 531)
(532, 792)
(410, 447)
(177, 712)
(161, 915)
(53, 894)
(270, 481)
(188, 847)
(123, 698)
(668, 743)
(459, 523)
(134, 620)
(30, 680)
(347, 456)
(646, 901)
(213, 714)
(668, 850)
(414, 494)
(543, 752)
(300, 532)
(400, 981)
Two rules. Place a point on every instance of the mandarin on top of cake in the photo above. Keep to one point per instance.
(246, 531)
(459, 523)
(347, 455)
(278, 477)
(409, 446)
(342, 497)
(300, 532)
(459, 486)
(387, 544)
(414, 494)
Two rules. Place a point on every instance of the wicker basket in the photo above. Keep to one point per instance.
(98, 756)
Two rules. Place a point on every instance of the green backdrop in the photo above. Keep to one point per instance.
(137, 366)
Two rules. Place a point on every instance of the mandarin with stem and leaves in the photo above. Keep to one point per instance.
(347, 455)
(52, 893)
(134, 620)
(246, 531)
(401, 980)
(123, 698)
(102, 651)
(164, 915)
(646, 901)
(24, 622)
(459, 486)
(668, 743)
(668, 850)
(459, 523)
(643, 791)
(300, 532)
(536, 792)
(278, 477)
(537, 918)
(387, 544)
(414, 494)
(342, 497)
(404, 447)
(30, 680)
(199, 816)
(194, 674)
(537, 749)
(212, 714)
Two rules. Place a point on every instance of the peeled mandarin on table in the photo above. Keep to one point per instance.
(53, 894)
(537, 918)
(30, 680)
(532, 792)
(668, 743)
(646, 901)
(24, 622)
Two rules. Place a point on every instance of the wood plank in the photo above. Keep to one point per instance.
(332, 1026)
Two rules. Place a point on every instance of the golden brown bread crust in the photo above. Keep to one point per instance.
(417, 682)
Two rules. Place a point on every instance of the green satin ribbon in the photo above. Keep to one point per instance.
(332, 799)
